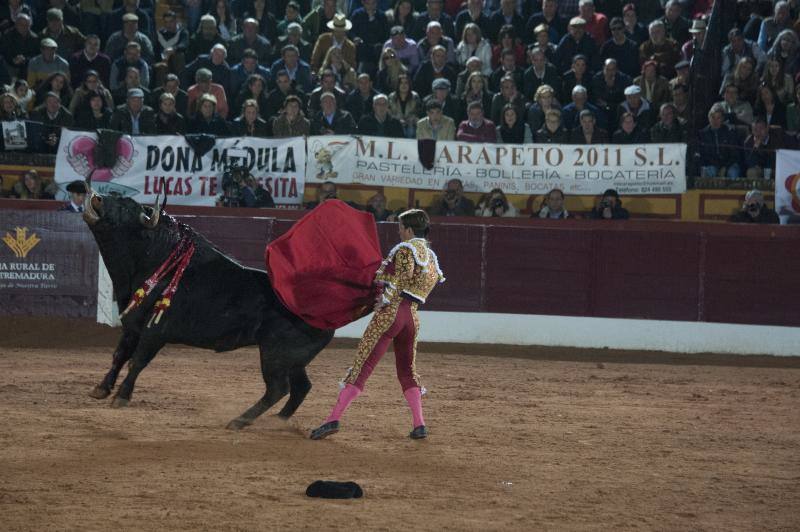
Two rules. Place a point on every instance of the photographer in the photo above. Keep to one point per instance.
(240, 189)
(754, 211)
(495, 204)
(453, 202)
(609, 208)
(53, 117)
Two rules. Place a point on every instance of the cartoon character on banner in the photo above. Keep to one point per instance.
(323, 156)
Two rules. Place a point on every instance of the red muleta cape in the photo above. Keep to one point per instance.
(323, 268)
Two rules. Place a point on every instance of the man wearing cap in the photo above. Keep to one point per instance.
(621, 48)
(335, 37)
(171, 86)
(77, 195)
(637, 106)
(19, 45)
(370, 31)
(132, 58)
(378, 122)
(450, 106)
(203, 85)
(660, 48)
(134, 117)
(90, 58)
(115, 20)
(316, 22)
(436, 125)
(330, 120)
(681, 74)
(738, 48)
(53, 117)
(249, 39)
(294, 37)
(201, 42)
(433, 69)
(46, 63)
(405, 48)
(117, 43)
(698, 32)
(575, 42)
(207, 120)
(755, 211)
(435, 13)
(68, 38)
(675, 23)
(216, 62)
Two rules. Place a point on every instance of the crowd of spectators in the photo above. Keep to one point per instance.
(546, 71)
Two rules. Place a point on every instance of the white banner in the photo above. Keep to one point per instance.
(514, 168)
(144, 163)
(787, 184)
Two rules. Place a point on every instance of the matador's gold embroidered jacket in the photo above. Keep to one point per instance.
(411, 268)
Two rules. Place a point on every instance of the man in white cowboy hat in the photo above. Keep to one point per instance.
(335, 38)
(698, 32)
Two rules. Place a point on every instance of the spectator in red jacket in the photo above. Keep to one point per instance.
(476, 128)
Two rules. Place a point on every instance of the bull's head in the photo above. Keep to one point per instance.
(114, 213)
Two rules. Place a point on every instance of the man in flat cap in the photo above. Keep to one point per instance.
(77, 195)
(69, 39)
(636, 105)
(116, 44)
(46, 63)
(134, 117)
(575, 42)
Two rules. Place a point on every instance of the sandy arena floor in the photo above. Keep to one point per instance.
(535, 440)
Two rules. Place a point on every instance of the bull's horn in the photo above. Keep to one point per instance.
(90, 216)
(151, 221)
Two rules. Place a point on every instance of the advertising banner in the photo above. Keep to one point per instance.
(516, 169)
(149, 165)
(787, 184)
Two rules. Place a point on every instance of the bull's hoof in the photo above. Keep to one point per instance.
(238, 423)
(99, 392)
(119, 402)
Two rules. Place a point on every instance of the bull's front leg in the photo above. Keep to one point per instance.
(125, 348)
(145, 351)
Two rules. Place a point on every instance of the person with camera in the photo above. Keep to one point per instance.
(53, 117)
(495, 204)
(754, 211)
(453, 202)
(609, 208)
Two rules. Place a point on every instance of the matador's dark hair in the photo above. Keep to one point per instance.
(416, 220)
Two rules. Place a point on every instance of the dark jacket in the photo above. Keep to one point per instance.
(216, 126)
(464, 207)
(545, 136)
(260, 128)
(675, 133)
(390, 127)
(121, 120)
(721, 147)
(637, 136)
(85, 120)
(600, 136)
(342, 124)
(532, 82)
(174, 124)
(765, 216)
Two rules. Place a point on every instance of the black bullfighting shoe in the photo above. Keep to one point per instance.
(326, 429)
(419, 433)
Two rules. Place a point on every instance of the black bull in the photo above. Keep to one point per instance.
(218, 305)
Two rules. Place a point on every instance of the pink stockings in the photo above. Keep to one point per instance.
(349, 393)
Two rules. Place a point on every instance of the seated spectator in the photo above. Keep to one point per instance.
(376, 206)
(637, 106)
(474, 45)
(77, 195)
(389, 71)
(543, 100)
(578, 74)
(769, 106)
(435, 13)
(46, 63)
(755, 211)
(249, 39)
(508, 95)
(119, 41)
(299, 71)
(204, 39)
(330, 120)
(379, 123)
(570, 114)
(132, 81)
(405, 48)
(131, 59)
(793, 112)
(587, 132)
(170, 44)
(327, 83)
(227, 25)
(609, 207)
(682, 74)
(575, 42)
(542, 42)
(436, 125)
(759, 150)
(31, 186)
(511, 128)
(327, 191)
(473, 14)
(450, 106)
(554, 23)
(778, 80)
(629, 132)
(434, 36)
(403, 14)
(473, 65)
(661, 49)
(433, 69)
(507, 40)
(10, 110)
(115, 20)
(719, 147)
(634, 30)
(19, 45)
(553, 206)
(405, 106)
(336, 37)
(344, 72)
(294, 37)
(359, 101)
(745, 79)
(265, 15)
(676, 25)
(168, 120)
(552, 132)
(655, 88)
(453, 202)
(171, 86)
(134, 118)
(506, 16)
(787, 50)
(25, 95)
(739, 48)
(53, 117)
(476, 128)
(249, 124)
(669, 127)
(276, 97)
(216, 63)
(608, 88)
(203, 85)
(774, 25)
(736, 111)
(680, 99)
(291, 122)
(94, 112)
(596, 23)
(207, 120)
(90, 59)
(68, 38)
(56, 82)
(477, 90)
(540, 73)
(508, 67)
(255, 90)
(370, 31)
(495, 204)
(698, 32)
(621, 48)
